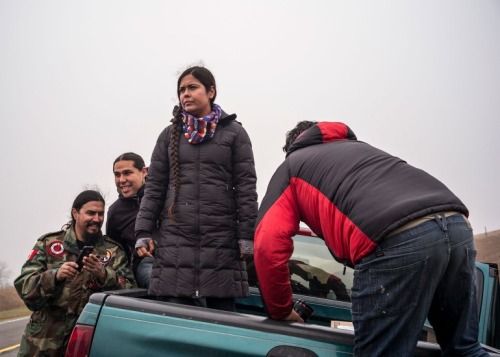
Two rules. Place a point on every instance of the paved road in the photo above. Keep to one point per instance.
(10, 335)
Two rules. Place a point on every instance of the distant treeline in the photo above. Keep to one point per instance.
(9, 299)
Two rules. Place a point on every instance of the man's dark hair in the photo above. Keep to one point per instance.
(83, 198)
(130, 156)
(295, 132)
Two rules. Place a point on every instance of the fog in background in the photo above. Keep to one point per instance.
(84, 81)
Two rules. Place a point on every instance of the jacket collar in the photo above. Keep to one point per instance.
(137, 197)
(224, 118)
(70, 241)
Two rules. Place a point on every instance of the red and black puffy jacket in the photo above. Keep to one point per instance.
(349, 193)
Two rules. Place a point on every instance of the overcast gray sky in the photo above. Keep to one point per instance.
(84, 81)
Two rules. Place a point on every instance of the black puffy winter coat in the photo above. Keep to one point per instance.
(198, 255)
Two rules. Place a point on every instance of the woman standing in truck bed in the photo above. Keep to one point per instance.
(202, 188)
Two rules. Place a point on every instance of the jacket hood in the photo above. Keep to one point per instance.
(321, 133)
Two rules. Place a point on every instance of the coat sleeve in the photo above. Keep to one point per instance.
(277, 222)
(245, 182)
(155, 189)
(36, 285)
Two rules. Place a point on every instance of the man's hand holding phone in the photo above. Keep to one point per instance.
(84, 253)
(93, 265)
(69, 269)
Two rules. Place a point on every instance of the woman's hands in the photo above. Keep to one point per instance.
(145, 247)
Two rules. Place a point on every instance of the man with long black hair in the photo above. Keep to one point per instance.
(56, 288)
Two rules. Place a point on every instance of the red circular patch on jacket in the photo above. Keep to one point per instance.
(56, 249)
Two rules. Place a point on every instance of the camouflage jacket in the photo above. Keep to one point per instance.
(57, 305)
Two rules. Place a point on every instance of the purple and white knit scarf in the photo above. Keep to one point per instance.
(197, 130)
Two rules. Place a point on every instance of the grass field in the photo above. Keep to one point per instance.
(11, 305)
(488, 247)
(14, 313)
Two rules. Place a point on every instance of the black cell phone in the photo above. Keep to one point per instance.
(85, 252)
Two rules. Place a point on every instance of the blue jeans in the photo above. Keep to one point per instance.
(143, 272)
(425, 271)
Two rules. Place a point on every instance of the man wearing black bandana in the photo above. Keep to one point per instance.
(55, 289)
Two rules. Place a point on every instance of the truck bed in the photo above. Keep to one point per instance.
(130, 323)
(146, 326)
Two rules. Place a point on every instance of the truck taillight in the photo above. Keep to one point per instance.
(79, 341)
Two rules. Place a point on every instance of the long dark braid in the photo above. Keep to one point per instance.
(173, 152)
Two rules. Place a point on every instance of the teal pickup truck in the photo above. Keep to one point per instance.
(129, 323)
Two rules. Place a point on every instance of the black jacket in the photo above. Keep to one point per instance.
(120, 222)
(198, 256)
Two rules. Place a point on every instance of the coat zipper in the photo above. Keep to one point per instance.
(197, 226)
